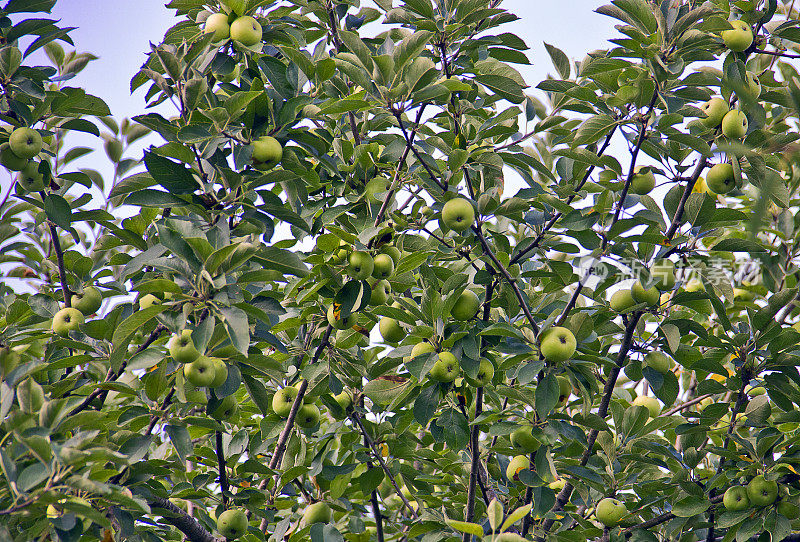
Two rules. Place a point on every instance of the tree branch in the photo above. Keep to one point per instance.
(62, 273)
(182, 521)
(223, 475)
(673, 227)
(475, 463)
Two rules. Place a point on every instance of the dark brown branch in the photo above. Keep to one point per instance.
(182, 521)
(62, 273)
(608, 391)
(684, 406)
(475, 463)
(673, 227)
(776, 53)
(223, 475)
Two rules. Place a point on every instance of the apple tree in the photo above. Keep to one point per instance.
(366, 283)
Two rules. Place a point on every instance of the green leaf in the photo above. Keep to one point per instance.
(690, 506)
(738, 245)
(81, 125)
(515, 516)
(29, 6)
(547, 395)
(325, 532)
(455, 428)
(353, 297)
(58, 210)
(134, 322)
(171, 175)
(409, 48)
(237, 326)
(281, 260)
(180, 438)
(425, 405)
(383, 392)
(495, 513)
(560, 60)
(593, 129)
(358, 48)
(465, 527)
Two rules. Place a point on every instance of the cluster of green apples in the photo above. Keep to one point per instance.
(245, 29)
(18, 154)
(83, 304)
(642, 183)
(662, 278)
(761, 493)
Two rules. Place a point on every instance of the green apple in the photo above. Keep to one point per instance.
(192, 393)
(650, 403)
(557, 344)
(10, 160)
(610, 511)
(458, 214)
(378, 185)
(421, 348)
(720, 178)
(557, 485)
(148, 300)
(382, 266)
(789, 510)
(25, 142)
(30, 396)
(227, 409)
(391, 330)
(735, 499)
(518, 464)
(89, 301)
(66, 320)
(344, 399)
(340, 253)
(283, 400)
(663, 275)
(318, 512)
(622, 300)
(267, 152)
(762, 492)
(650, 296)
(523, 440)
(734, 125)
(379, 294)
(200, 372)
(658, 361)
(643, 181)
(466, 306)
(754, 391)
(220, 372)
(446, 368)
(308, 416)
(9, 359)
(564, 390)
(181, 347)
(217, 24)
(360, 265)
(739, 38)
(232, 524)
(485, 374)
(393, 252)
(246, 30)
(29, 178)
(338, 322)
(715, 110)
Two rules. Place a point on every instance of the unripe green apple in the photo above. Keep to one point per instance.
(518, 464)
(421, 348)
(246, 30)
(663, 275)
(217, 24)
(383, 266)
(393, 252)
(715, 110)
(762, 492)
(66, 320)
(29, 178)
(788, 509)
(642, 182)
(466, 306)
(200, 372)
(557, 344)
(308, 416)
(232, 524)
(735, 499)
(220, 372)
(720, 178)
(25, 142)
(650, 403)
(610, 512)
(446, 368)
(148, 300)
(181, 347)
(318, 512)
(752, 85)
(564, 390)
(227, 409)
(485, 374)
(650, 296)
(282, 401)
(378, 185)
(360, 265)
(391, 330)
(622, 300)
(523, 440)
(344, 399)
(734, 125)
(10, 160)
(267, 152)
(379, 293)
(338, 322)
(458, 214)
(658, 361)
(739, 38)
(89, 301)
